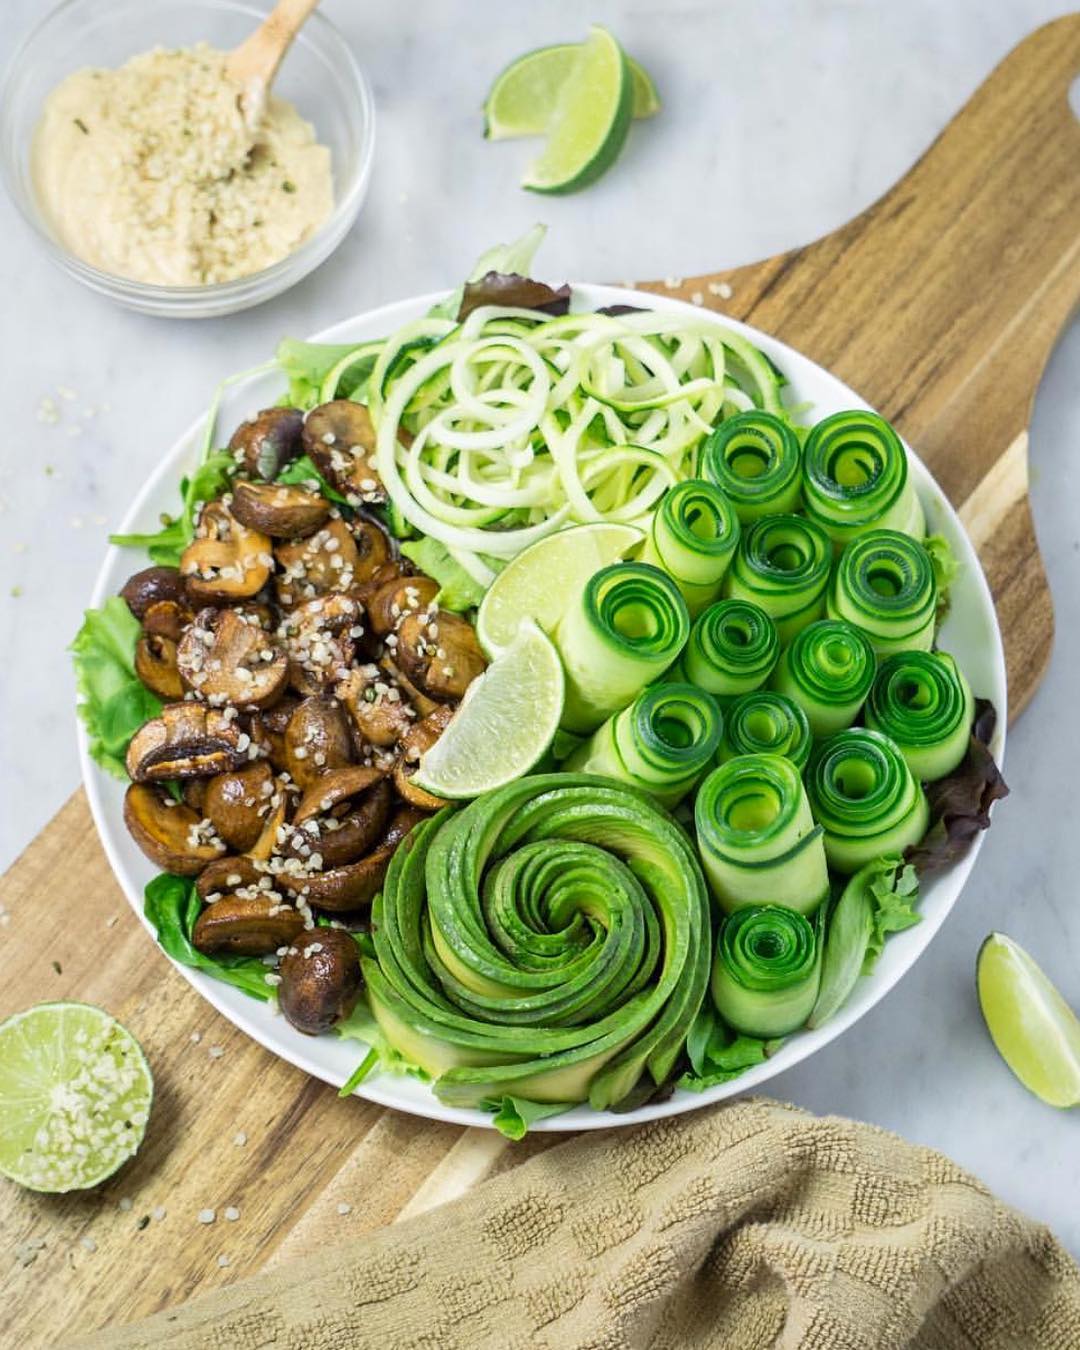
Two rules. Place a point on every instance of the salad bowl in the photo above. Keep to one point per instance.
(970, 632)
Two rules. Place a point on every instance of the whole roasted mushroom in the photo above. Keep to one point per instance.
(340, 439)
(227, 874)
(226, 560)
(172, 835)
(323, 563)
(155, 665)
(226, 657)
(320, 639)
(237, 804)
(375, 705)
(340, 817)
(347, 888)
(281, 511)
(268, 730)
(320, 979)
(247, 926)
(267, 442)
(317, 739)
(439, 653)
(187, 740)
(151, 585)
(396, 598)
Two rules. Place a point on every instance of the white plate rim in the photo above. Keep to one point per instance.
(256, 1020)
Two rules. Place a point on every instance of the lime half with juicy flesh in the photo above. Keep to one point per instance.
(504, 724)
(1035, 1031)
(590, 120)
(523, 98)
(542, 581)
(75, 1094)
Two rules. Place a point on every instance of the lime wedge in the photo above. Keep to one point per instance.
(591, 118)
(541, 581)
(505, 722)
(523, 98)
(1036, 1033)
(75, 1094)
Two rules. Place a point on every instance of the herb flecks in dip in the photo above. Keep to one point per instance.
(152, 172)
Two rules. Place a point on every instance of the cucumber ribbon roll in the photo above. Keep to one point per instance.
(766, 722)
(924, 703)
(756, 836)
(782, 564)
(732, 649)
(865, 797)
(629, 625)
(884, 584)
(755, 458)
(767, 970)
(827, 670)
(693, 538)
(855, 478)
(550, 941)
(662, 743)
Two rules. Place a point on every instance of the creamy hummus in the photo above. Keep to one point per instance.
(151, 171)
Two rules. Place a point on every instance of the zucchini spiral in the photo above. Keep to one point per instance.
(855, 478)
(693, 538)
(662, 743)
(755, 458)
(884, 584)
(923, 702)
(767, 970)
(732, 649)
(766, 723)
(756, 836)
(827, 670)
(629, 625)
(865, 798)
(782, 564)
(550, 941)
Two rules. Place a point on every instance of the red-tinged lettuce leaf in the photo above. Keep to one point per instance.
(960, 803)
(613, 311)
(514, 291)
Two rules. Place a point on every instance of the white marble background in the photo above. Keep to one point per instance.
(782, 119)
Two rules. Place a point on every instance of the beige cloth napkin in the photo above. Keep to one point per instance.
(742, 1227)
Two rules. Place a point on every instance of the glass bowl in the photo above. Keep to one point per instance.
(318, 74)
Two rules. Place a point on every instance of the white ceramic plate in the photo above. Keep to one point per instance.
(970, 632)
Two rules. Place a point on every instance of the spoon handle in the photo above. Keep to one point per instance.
(257, 58)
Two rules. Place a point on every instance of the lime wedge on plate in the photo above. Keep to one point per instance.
(540, 582)
(75, 1094)
(590, 120)
(523, 98)
(504, 724)
(1036, 1033)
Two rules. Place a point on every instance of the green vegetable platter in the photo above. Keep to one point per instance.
(728, 746)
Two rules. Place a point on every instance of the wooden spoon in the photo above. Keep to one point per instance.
(255, 62)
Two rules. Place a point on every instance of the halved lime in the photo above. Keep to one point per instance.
(1036, 1033)
(505, 722)
(591, 118)
(540, 582)
(523, 98)
(75, 1094)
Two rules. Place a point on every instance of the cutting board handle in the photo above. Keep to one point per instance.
(941, 302)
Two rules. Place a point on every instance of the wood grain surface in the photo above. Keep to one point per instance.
(940, 305)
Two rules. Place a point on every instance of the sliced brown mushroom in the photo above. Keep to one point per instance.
(316, 739)
(439, 653)
(225, 657)
(393, 672)
(268, 441)
(255, 926)
(320, 979)
(419, 739)
(167, 619)
(347, 888)
(320, 639)
(379, 712)
(341, 817)
(268, 730)
(225, 875)
(188, 740)
(193, 791)
(226, 560)
(398, 597)
(237, 804)
(340, 438)
(152, 585)
(278, 510)
(155, 665)
(172, 835)
(322, 563)
(275, 824)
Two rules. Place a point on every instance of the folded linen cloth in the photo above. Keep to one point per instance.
(750, 1225)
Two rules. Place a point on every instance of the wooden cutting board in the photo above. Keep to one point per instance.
(940, 305)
